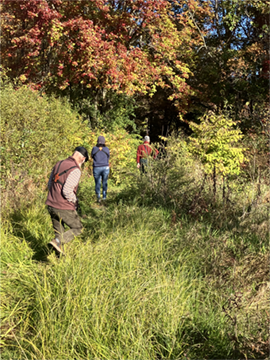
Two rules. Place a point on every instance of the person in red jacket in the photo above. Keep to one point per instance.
(143, 152)
(62, 199)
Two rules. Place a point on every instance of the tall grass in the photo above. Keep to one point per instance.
(161, 271)
(123, 291)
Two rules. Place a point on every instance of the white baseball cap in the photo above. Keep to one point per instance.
(147, 138)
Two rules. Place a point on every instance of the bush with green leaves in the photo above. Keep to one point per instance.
(216, 142)
(107, 110)
(173, 177)
(36, 132)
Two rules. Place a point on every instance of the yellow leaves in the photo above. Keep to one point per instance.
(214, 140)
(23, 78)
(76, 138)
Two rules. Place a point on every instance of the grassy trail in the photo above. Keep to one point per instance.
(140, 283)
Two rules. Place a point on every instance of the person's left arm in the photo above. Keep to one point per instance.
(138, 157)
(71, 182)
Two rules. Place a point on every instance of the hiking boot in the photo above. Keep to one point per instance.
(56, 243)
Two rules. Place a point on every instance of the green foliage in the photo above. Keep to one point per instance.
(123, 147)
(36, 132)
(106, 110)
(172, 175)
(216, 142)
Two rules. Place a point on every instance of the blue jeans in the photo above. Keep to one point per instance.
(101, 173)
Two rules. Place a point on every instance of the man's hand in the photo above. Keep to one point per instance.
(138, 165)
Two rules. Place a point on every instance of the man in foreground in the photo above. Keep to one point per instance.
(62, 201)
(143, 153)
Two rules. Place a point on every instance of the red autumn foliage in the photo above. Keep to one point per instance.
(128, 46)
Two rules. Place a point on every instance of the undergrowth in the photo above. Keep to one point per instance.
(146, 279)
(166, 268)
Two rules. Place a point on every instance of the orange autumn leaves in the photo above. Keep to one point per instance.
(129, 46)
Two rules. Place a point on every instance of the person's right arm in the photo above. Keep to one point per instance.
(138, 157)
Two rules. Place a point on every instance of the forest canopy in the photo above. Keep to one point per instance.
(165, 62)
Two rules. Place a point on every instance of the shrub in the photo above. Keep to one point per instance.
(215, 141)
(37, 131)
(173, 177)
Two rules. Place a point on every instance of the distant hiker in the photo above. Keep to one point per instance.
(143, 153)
(62, 201)
(101, 155)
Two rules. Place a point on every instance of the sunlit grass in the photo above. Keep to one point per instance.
(139, 283)
(117, 297)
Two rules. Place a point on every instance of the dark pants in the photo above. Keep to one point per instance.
(143, 167)
(68, 217)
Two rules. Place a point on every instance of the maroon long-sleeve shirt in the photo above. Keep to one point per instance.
(145, 150)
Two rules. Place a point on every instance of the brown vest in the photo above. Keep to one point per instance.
(55, 197)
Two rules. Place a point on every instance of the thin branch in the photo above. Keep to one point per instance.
(197, 26)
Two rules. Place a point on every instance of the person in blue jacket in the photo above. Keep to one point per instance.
(101, 155)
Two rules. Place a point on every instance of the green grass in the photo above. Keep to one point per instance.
(143, 281)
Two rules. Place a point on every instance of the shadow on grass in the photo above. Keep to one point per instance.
(22, 224)
(41, 251)
(222, 218)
